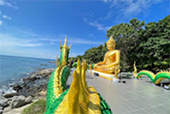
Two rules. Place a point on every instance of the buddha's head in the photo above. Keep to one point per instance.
(111, 43)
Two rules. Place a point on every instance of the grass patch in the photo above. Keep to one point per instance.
(38, 107)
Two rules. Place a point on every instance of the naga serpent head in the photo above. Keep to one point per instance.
(64, 52)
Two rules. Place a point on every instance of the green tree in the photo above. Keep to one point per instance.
(94, 54)
(147, 44)
(126, 35)
(154, 48)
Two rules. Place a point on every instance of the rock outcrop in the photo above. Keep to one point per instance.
(18, 101)
(24, 91)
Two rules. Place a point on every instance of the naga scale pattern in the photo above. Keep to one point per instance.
(79, 98)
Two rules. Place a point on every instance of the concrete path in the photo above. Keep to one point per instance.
(132, 97)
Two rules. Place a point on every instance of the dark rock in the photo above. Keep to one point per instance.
(52, 62)
(17, 87)
(3, 102)
(9, 100)
(44, 64)
(33, 84)
(38, 75)
(38, 69)
(1, 92)
(1, 111)
(28, 99)
(45, 72)
(31, 78)
(10, 94)
(18, 101)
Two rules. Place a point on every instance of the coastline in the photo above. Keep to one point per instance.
(25, 91)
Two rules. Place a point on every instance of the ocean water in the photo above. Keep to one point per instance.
(13, 68)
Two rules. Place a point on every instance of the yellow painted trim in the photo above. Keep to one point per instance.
(63, 107)
(93, 98)
(159, 80)
(105, 77)
(109, 78)
(163, 71)
(57, 81)
(80, 98)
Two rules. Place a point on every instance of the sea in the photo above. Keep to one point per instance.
(13, 68)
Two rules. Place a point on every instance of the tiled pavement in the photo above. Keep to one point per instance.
(132, 97)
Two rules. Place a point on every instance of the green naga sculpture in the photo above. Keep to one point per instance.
(79, 98)
(156, 79)
(64, 53)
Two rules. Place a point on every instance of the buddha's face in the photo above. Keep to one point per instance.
(110, 46)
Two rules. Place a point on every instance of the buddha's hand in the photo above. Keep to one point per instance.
(100, 63)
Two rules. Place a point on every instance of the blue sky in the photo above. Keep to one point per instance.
(34, 28)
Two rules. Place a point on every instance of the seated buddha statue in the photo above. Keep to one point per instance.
(111, 62)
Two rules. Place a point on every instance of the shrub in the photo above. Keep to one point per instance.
(38, 107)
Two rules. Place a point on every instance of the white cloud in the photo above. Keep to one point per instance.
(83, 41)
(129, 7)
(30, 52)
(22, 46)
(10, 45)
(97, 25)
(106, 1)
(109, 14)
(125, 8)
(6, 17)
(9, 41)
(35, 41)
(4, 3)
(28, 33)
(29, 44)
(72, 40)
(0, 22)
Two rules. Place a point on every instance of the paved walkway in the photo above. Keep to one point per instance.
(132, 97)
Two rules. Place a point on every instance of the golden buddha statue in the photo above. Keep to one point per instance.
(111, 62)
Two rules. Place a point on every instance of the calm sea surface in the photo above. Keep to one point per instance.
(13, 68)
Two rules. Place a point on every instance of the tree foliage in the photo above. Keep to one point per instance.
(93, 55)
(147, 44)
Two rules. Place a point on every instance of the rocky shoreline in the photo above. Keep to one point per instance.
(25, 91)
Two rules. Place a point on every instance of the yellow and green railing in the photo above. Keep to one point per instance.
(156, 79)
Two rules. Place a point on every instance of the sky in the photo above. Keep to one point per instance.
(34, 28)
